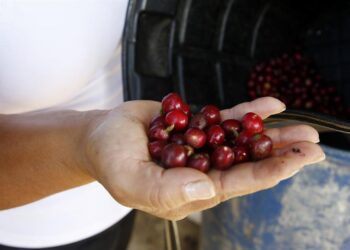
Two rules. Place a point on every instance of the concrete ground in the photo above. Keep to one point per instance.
(148, 233)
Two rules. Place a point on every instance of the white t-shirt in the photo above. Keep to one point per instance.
(60, 54)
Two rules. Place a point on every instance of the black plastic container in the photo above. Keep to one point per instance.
(205, 49)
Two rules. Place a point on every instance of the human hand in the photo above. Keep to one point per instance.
(116, 149)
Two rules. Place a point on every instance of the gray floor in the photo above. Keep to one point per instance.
(148, 234)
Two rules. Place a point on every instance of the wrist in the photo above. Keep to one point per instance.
(87, 140)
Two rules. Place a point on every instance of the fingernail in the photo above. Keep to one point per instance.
(319, 158)
(284, 107)
(316, 138)
(200, 190)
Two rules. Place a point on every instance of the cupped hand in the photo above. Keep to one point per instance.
(116, 149)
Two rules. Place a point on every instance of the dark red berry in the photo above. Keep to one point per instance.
(260, 147)
(178, 139)
(323, 91)
(212, 114)
(337, 99)
(158, 121)
(186, 109)
(297, 103)
(171, 102)
(251, 84)
(309, 104)
(252, 94)
(177, 118)
(259, 67)
(174, 155)
(261, 79)
(200, 162)
(308, 82)
(267, 86)
(297, 90)
(195, 137)
(215, 136)
(296, 80)
(241, 154)
(331, 90)
(231, 127)
(253, 123)
(159, 133)
(298, 57)
(285, 56)
(222, 158)
(243, 138)
(155, 149)
(317, 99)
(198, 121)
(252, 75)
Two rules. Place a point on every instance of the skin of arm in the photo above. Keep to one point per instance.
(41, 154)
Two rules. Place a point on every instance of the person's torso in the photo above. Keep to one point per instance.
(51, 49)
(60, 54)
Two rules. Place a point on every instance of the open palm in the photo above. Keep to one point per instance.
(117, 150)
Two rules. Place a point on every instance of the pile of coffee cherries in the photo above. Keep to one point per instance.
(292, 78)
(202, 141)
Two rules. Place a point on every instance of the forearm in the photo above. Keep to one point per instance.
(41, 154)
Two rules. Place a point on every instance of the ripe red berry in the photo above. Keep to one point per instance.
(212, 114)
(222, 158)
(158, 121)
(198, 121)
(200, 162)
(215, 136)
(174, 155)
(155, 149)
(171, 102)
(260, 147)
(231, 127)
(177, 118)
(241, 154)
(253, 123)
(186, 109)
(195, 137)
(243, 138)
(178, 139)
(159, 133)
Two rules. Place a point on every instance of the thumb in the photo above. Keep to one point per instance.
(156, 189)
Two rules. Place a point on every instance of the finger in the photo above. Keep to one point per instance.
(144, 111)
(155, 190)
(301, 150)
(251, 177)
(292, 134)
(264, 107)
